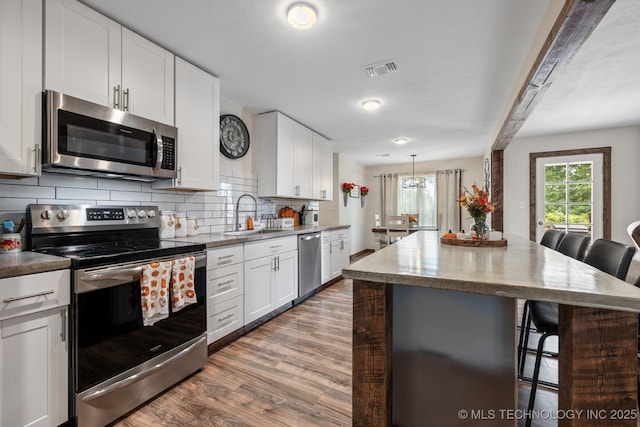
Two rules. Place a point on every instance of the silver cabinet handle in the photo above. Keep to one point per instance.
(297, 187)
(36, 157)
(324, 194)
(39, 294)
(116, 96)
(278, 261)
(275, 246)
(341, 244)
(63, 331)
(125, 99)
(137, 377)
(180, 175)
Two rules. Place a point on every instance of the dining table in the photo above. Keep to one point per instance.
(435, 326)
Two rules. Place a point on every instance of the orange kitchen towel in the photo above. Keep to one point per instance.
(182, 283)
(154, 292)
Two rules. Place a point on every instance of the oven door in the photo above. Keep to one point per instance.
(107, 322)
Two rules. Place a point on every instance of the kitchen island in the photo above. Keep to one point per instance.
(434, 332)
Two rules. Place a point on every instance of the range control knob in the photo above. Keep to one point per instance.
(142, 213)
(132, 214)
(46, 214)
(63, 214)
(151, 213)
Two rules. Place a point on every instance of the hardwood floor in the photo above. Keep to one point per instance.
(292, 371)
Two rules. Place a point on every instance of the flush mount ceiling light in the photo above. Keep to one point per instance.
(370, 104)
(302, 16)
(401, 141)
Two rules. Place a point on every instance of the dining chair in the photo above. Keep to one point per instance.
(550, 239)
(608, 256)
(397, 227)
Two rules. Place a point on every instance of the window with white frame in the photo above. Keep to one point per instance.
(417, 195)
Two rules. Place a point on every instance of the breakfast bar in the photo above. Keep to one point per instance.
(434, 331)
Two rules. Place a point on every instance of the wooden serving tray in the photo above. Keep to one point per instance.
(475, 243)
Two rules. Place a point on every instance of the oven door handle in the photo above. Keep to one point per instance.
(137, 377)
(123, 273)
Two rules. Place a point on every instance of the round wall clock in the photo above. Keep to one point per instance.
(234, 136)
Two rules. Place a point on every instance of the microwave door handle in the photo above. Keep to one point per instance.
(158, 152)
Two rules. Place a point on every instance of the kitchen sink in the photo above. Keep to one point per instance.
(250, 232)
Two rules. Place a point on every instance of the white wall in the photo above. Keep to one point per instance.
(349, 170)
(625, 175)
(472, 172)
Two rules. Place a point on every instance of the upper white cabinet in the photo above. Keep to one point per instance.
(322, 172)
(89, 56)
(20, 86)
(198, 123)
(285, 157)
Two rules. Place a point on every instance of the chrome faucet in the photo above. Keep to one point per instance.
(255, 211)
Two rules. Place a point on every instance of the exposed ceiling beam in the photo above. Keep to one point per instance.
(574, 25)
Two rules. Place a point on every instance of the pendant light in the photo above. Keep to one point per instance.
(413, 182)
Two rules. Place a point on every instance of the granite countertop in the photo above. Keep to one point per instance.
(21, 263)
(523, 269)
(221, 239)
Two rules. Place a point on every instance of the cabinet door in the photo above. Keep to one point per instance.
(322, 179)
(285, 283)
(336, 258)
(258, 274)
(302, 160)
(20, 86)
(82, 52)
(147, 78)
(325, 261)
(285, 181)
(198, 121)
(33, 367)
(345, 254)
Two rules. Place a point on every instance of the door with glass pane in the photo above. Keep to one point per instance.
(569, 195)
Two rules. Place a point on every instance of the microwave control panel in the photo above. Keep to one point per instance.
(168, 153)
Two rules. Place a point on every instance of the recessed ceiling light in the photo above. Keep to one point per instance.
(370, 104)
(401, 141)
(302, 16)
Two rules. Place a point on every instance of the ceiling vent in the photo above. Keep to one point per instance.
(386, 67)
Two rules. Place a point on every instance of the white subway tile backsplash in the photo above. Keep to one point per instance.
(121, 185)
(65, 202)
(81, 193)
(130, 195)
(24, 181)
(27, 191)
(16, 205)
(119, 203)
(56, 180)
(167, 197)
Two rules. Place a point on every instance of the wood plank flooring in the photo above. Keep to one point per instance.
(292, 371)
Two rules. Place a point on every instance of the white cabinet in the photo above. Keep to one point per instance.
(20, 86)
(322, 172)
(34, 349)
(271, 276)
(225, 290)
(89, 56)
(335, 253)
(285, 157)
(198, 122)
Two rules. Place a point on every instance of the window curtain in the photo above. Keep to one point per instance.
(449, 183)
(389, 196)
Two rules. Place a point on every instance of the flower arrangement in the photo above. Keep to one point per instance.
(364, 190)
(478, 205)
(347, 187)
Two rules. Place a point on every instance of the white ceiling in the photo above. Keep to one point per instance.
(457, 59)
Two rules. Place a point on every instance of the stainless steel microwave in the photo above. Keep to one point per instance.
(84, 138)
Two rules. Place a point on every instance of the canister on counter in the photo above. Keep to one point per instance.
(181, 225)
(167, 225)
(192, 226)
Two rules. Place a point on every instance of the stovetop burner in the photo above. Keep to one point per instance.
(95, 236)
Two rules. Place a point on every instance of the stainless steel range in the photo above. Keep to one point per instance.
(116, 362)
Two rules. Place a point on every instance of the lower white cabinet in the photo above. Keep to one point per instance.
(270, 275)
(225, 289)
(34, 349)
(335, 253)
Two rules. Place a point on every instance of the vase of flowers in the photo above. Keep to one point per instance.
(364, 190)
(478, 205)
(346, 190)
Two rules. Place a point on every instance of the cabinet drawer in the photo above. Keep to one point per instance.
(226, 255)
(34, 292)
(224, 318)
(253, 250)
(339, 234)
(225, 283)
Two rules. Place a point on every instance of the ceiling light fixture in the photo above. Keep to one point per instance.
(302, 16)
(414, 182)
(401, 141)
(370, 104)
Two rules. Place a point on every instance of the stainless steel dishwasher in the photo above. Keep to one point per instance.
(308, 264)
